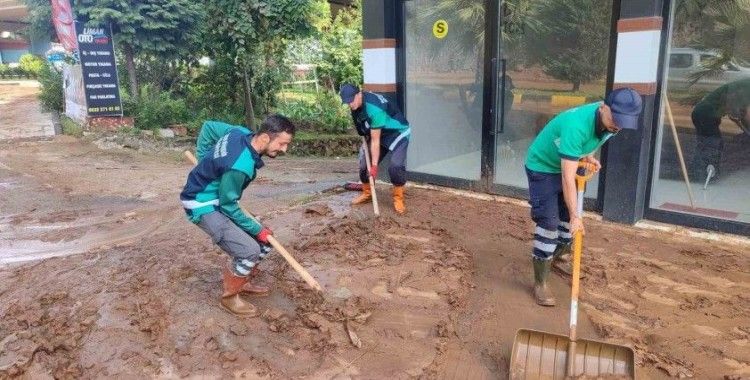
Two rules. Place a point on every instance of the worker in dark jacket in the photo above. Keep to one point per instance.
(732, 100)
(386, 131)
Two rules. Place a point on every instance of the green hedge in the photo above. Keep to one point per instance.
(7, 72)
(306, 144)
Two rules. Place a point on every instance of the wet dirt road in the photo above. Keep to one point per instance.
(432, 294)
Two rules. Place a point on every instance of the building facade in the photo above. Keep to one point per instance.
(478, 79)
(12, 43)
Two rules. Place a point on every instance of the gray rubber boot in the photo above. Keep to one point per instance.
(542, 293)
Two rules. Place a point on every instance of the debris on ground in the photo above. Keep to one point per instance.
(128, 288)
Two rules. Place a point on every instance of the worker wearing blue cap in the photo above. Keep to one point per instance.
(551, 164)
(387, 132)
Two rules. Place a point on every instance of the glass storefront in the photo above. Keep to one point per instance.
(444, 79)
(552, 57)
(548, 56)
(542, 68)
(701, 164)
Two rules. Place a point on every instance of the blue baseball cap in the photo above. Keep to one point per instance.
(626, 106)
(347, 92)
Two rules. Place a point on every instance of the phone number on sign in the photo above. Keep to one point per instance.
(104, 109)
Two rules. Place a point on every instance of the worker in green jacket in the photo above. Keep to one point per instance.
(229, 159)
(552, 161)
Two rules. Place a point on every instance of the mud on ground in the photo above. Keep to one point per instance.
(438, 293)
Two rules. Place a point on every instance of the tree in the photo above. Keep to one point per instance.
(39, 21)
(719, 26)
(253, 34)
(571, 40)
(160, 28)
(341, 48)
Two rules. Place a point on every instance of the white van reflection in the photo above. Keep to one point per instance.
(684, 62)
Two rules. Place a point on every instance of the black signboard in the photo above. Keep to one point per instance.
(96, 52)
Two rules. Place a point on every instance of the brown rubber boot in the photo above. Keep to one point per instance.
(230, 299)
(365, 197)
(255, 289)
(542, 293)
(398, 199)
(562, 261)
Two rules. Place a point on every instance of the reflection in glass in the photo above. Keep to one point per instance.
(701, 164)
(444, 87)
(554, 57)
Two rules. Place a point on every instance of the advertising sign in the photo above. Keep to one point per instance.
(97, 57)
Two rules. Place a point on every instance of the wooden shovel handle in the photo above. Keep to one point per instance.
(295, 265)
(375, 206)
(275, 243)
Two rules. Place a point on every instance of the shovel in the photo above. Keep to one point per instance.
(366, 148)
(542, 355)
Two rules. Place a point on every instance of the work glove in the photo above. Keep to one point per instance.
(263, 235)
(374, 171)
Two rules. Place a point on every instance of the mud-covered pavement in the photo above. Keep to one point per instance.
(129, 289)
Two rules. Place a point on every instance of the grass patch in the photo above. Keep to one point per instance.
(308, 136)
(70, 127)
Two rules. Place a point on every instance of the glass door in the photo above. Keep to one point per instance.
(544, 68)
(444, 45)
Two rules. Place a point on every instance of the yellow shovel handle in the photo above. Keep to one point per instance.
(588, 173)
(576, 276)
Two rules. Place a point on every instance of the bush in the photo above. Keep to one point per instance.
(325, 115)
(129, 104)
(70, 127)
(306, 144)
(31, 65)
(156, 109)
(7, 72)
(51, 94)
(216, 87)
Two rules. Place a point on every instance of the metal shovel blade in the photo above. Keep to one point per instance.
(541, 355)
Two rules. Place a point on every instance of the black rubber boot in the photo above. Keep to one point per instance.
(707, 153)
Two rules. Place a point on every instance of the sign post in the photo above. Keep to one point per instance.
(97, 57)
